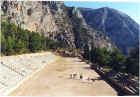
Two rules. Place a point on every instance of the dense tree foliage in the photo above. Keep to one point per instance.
(15, 40)
(133, 61)
(86, 52)
(115, 59)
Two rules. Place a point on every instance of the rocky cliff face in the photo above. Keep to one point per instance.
(84, 34)
(54, 20)
(119, 27)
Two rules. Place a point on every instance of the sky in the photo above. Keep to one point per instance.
(130, 8)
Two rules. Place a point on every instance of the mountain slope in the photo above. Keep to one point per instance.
(119, 27)
(54, 20)
(84, 34)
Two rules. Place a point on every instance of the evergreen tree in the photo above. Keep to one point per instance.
(118, 60)
(20, 47)
(35, 42)
(3, 44)
(10, 45)
(92, 53)
(133, 61)
(43, 43)
(86, 52)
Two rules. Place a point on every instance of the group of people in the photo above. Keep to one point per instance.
(80, 76)
(76, 76)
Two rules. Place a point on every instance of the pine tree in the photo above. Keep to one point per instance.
(10, 45)
(133, 61)
(35, 42)
(3, 44)
(86, 52)
(20, 47)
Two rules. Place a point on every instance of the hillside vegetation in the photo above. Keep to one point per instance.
(15, 40)
(114, 59)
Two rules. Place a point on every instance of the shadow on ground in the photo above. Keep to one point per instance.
(120, 93)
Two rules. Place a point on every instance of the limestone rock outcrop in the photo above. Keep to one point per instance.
(54, 20)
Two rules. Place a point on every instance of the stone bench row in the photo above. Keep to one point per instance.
(12, 68)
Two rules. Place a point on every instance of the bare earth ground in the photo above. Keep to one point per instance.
(53, 80)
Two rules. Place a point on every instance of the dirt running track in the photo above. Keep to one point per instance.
(53, 80)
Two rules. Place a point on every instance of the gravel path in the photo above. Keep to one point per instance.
(15, 69)
(54, 80)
